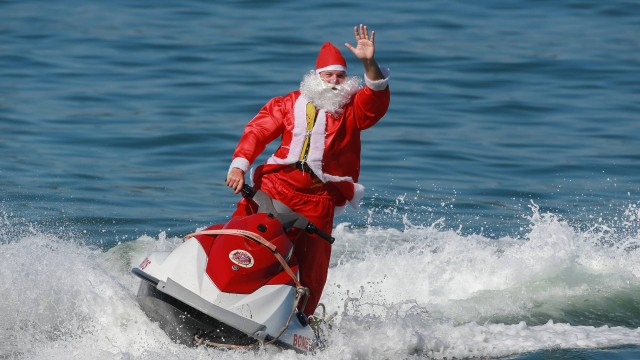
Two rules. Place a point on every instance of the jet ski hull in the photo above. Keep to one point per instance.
(186, 325)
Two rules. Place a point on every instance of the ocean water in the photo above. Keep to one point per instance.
(501, 218)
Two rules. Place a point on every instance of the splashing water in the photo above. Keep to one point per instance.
(424, 291)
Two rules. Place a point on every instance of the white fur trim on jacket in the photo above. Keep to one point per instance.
(297, 134)
(378, 85)
(358, 193)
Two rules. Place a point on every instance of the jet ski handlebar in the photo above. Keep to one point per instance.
(288, 218)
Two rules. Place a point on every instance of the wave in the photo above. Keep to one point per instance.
(421, 291)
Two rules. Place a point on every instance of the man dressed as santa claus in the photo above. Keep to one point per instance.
(315, 170)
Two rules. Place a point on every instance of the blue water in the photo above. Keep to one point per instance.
(502, 212)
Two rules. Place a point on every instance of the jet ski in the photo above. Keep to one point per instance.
(234, 284)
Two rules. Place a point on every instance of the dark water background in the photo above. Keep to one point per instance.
(118, 120)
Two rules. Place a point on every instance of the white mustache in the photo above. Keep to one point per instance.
(327, 96)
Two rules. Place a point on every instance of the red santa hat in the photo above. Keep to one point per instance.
(330, 58)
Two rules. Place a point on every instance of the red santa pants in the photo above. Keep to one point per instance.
(303, 193)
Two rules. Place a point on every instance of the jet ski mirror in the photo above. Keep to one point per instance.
(288, 218)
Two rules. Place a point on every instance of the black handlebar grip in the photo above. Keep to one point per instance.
(247, 191)
(312, 229)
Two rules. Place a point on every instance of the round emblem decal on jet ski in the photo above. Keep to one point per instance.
(241, 258)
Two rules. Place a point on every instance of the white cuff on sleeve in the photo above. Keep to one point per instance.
(377, 85)
(240, 163)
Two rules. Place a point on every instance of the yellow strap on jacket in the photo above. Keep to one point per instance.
(311, 120)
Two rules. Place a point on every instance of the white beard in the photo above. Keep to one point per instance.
(329, 97)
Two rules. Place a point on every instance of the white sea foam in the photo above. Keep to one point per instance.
(423, 291)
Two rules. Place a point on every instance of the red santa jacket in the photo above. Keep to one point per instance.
(334, 150)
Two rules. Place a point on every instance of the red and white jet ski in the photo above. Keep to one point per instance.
(233, 284)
